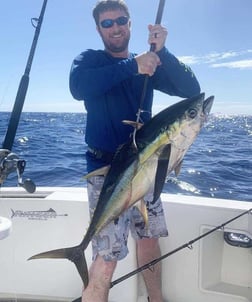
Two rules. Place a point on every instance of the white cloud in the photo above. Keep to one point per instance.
(190, 60)
(222, 59)
(241, 64)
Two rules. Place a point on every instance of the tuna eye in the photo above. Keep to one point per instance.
(192, 113)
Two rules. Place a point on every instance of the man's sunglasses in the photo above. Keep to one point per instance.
(107, 23)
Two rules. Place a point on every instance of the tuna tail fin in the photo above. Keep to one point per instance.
(74, 254)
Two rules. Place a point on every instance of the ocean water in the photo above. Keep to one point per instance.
(218, 164)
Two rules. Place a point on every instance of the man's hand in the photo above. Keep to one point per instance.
(157, 36)
(147, 63)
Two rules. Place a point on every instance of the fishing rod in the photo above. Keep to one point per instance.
(152, 48)
(23, 85)
(9, 161)
(189, 244)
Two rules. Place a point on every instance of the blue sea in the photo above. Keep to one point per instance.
(218, 164)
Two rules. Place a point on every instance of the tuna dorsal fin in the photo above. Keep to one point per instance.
(133, 124)
(163, 162)
(102, 171)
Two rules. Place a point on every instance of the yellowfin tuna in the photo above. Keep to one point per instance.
(161, 145)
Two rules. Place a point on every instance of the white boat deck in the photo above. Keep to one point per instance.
(210, 271)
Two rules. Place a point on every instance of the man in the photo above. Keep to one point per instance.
(111, 82)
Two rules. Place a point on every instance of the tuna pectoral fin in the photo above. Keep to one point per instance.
(163, 162)
(74, 254)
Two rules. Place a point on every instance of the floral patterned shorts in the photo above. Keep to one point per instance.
(111, 242)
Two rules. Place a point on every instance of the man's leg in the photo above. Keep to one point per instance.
(147, 240)
(100, 275)
(147, 250)
(108, 246)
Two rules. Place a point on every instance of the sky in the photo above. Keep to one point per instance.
(212, 36)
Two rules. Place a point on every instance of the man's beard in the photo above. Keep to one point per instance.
(112, 47)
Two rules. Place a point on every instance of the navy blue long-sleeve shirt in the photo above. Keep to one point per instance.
(112, 88)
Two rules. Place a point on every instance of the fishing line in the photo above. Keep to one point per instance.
(189, 245)
(152, 48)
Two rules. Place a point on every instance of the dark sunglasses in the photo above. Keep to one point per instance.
(107, 23)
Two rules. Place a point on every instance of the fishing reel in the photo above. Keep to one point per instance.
(9, 163)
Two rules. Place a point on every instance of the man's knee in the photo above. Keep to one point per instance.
(148, 243)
